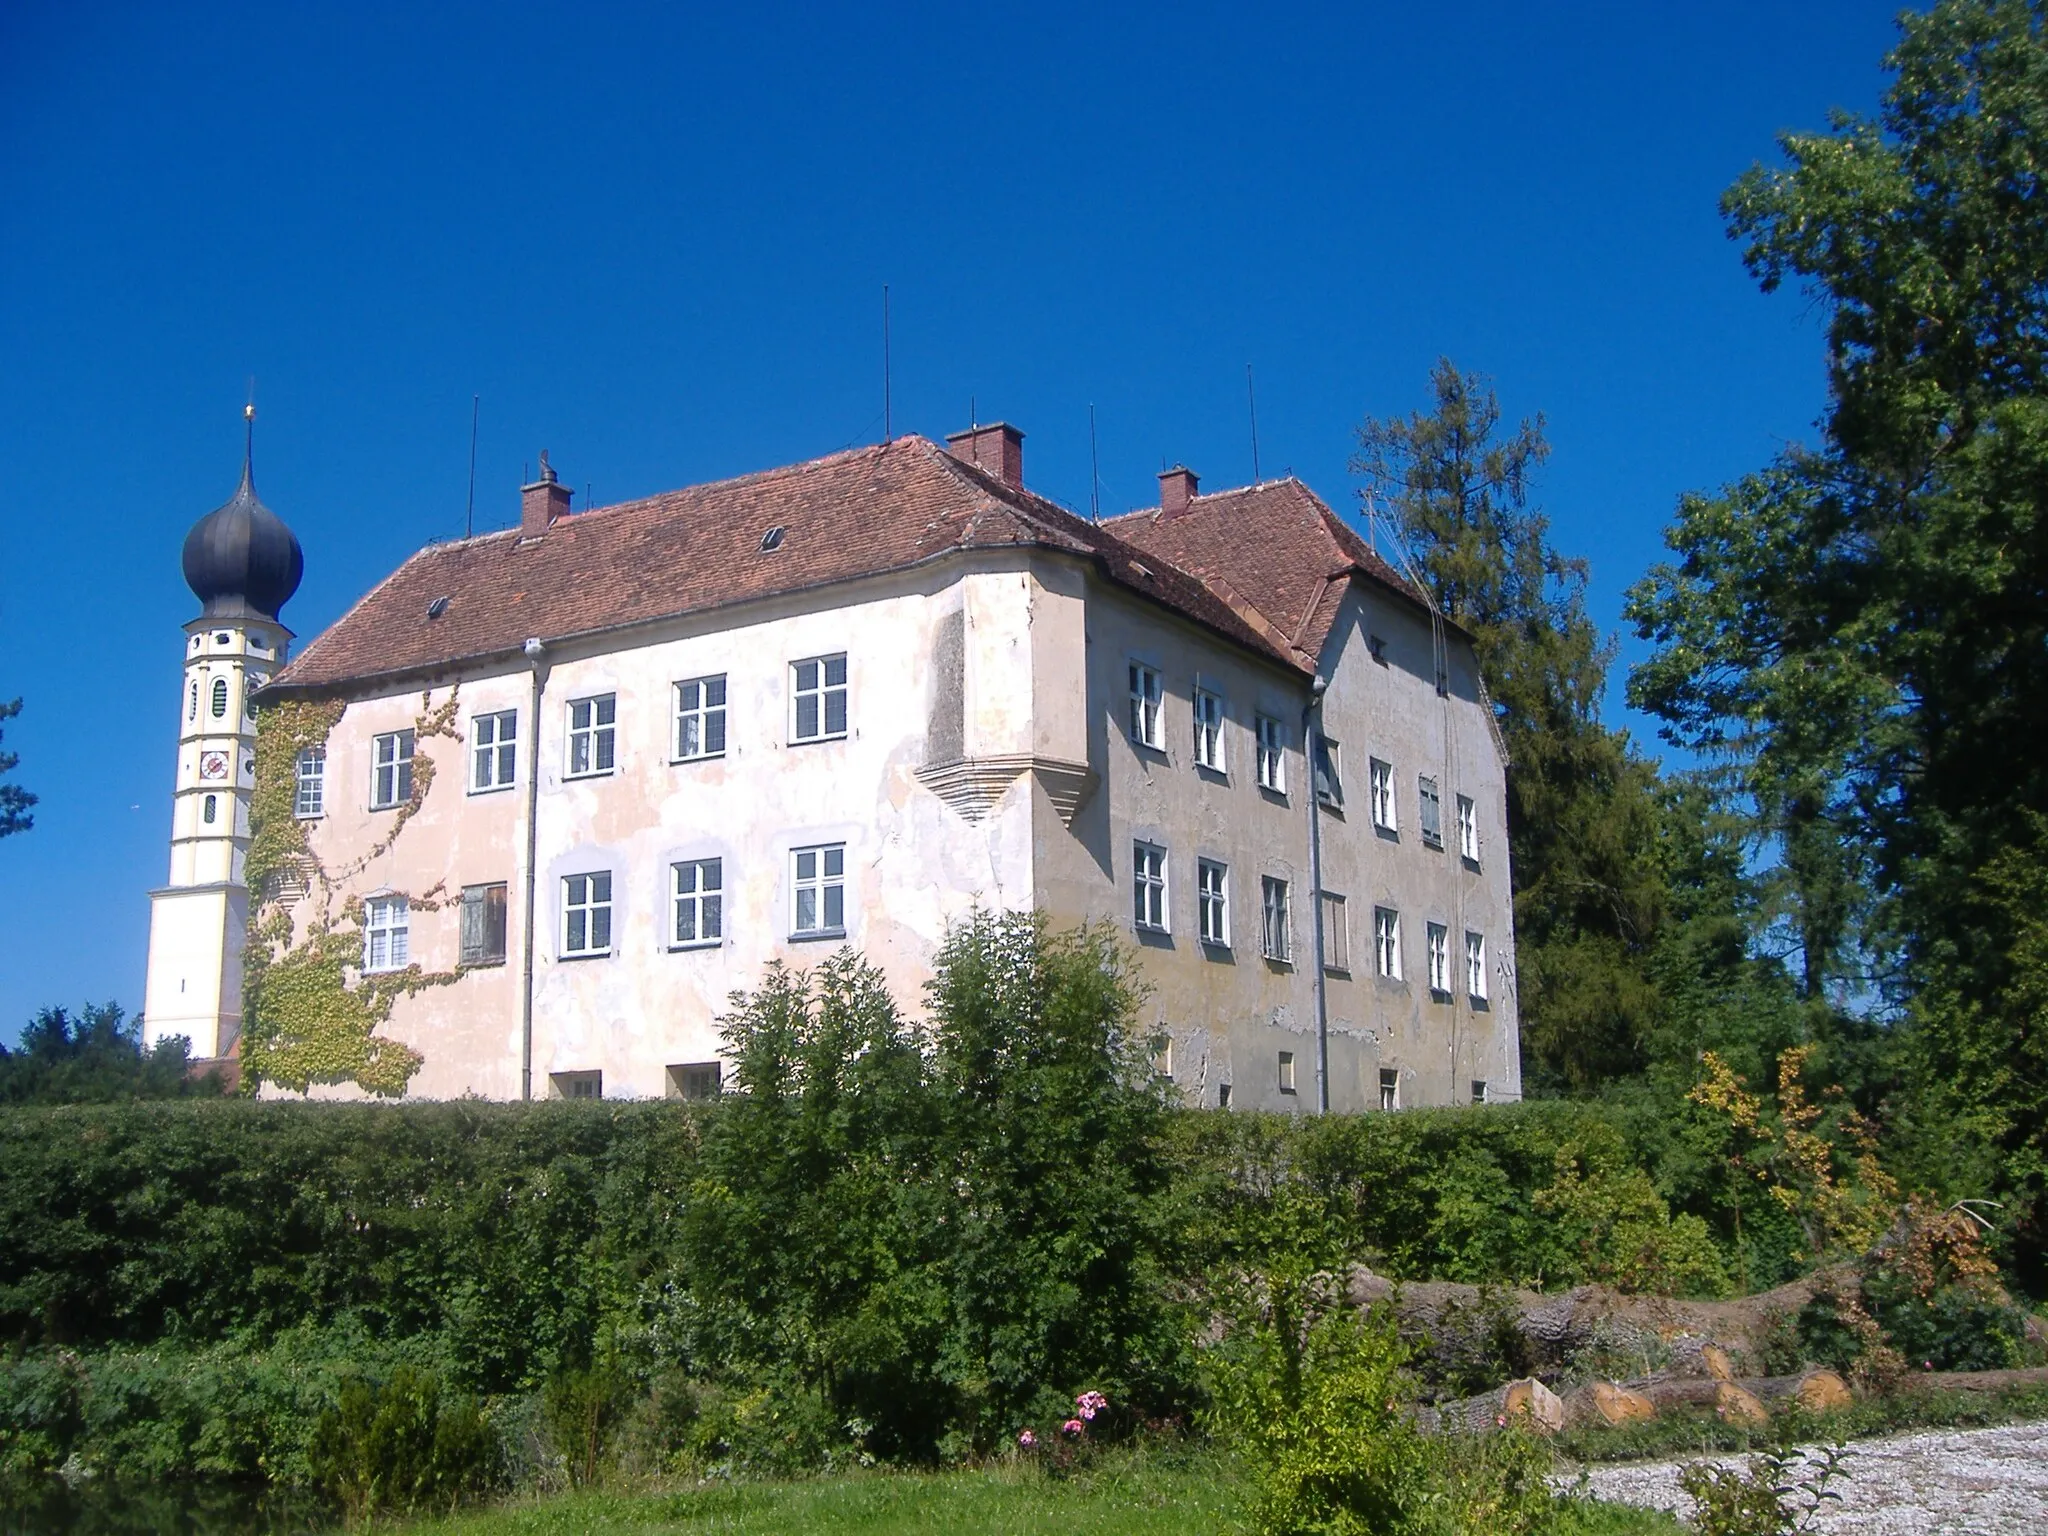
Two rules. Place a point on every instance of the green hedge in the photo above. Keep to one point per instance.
(507, 1230)
(514, 1232)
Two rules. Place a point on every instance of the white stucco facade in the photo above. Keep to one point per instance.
(987, 760)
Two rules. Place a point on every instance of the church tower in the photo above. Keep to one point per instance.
(242, 563)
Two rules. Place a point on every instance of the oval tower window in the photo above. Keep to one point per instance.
(220, 698)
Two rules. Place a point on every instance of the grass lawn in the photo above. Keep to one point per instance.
(1124, 1496)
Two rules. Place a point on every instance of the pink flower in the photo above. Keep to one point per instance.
(1026, 1439)
(1090, 1404)
(1500, 1421)
(1072, 1427)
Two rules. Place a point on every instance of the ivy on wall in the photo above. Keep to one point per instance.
(310, 1013)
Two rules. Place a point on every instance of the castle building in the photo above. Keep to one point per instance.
(570, 785)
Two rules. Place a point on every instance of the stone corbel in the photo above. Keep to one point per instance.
(973, 786)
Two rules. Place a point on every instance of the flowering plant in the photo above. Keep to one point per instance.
(1071, 1442)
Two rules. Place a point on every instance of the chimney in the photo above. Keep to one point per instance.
(997, 448)
(543, 501)
(1176, 490)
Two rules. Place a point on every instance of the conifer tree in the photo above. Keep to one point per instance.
(1582, 812)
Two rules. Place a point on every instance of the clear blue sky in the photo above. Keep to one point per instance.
(654, 241)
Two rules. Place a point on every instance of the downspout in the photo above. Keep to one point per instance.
(1309, 733)
(536, 653)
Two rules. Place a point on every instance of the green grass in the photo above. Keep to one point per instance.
(1193, 1495)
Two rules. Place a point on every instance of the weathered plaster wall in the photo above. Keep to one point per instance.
(1226, 1009)
(914, 863)
(1000, 658)
(1389, 709)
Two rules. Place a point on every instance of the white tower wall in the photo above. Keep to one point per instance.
(199, 917)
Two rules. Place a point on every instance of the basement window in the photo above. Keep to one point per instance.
(575, 1085)
(696, 1081)
(1390, 1088)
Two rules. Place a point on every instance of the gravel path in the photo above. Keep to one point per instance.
(1983, 1482)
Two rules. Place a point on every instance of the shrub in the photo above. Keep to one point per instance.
(1778, 1493)
(1316, 1398)
(399, 1446)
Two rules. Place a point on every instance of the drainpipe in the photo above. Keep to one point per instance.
(1309, 732)
(536, 653)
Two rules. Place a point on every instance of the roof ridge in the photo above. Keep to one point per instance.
(752, 476)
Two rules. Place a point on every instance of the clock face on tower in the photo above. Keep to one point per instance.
(213, 765)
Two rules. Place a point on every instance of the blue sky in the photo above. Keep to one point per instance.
(654, 242)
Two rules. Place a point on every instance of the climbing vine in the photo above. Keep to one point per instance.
(277, 838)
(311, 1014)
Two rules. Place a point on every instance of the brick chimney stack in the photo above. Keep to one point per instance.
(543, 501)
(997, 448)
(1176, 490)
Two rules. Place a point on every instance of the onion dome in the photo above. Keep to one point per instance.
(241, 560)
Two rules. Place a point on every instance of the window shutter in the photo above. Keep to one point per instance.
(473, 943)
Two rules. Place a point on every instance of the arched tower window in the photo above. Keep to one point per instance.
(212, 809)
(192, 706)
(220, 698)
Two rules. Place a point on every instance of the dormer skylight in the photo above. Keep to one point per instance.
(772, 539)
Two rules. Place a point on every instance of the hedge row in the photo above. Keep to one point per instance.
(513, 1233)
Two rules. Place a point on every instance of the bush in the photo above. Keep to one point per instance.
(399, 1446)
(1317, 1402)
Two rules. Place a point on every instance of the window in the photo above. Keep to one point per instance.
(192, 704)
(695, 1080)
(587, 914)
(210, 811)
(1223, 1095)
(220, 698)
(1475, 966)
(309, 799)
(1386, 941)
(1383, 795)
(387, 934)
(1162, 1057)
(819, 697)
(1390, 1088)
(1148, 887)
(1146, 693)
(1329, 783)
(1478, 1090)
(593, 734)
(1208, 730)
(1336, 934)
(819, 886)
(1439, 959)
(576, 1085)
(1212, 900)
(390, 770)
(1272, 755)
(1432, 815)
(699, 893)
(254, 681)
(483, 924)
(1275, 930)
(700, 718)
(1468, 828)
(494, 750)
(1287, 1071)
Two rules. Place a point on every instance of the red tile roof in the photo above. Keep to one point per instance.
(1276, 547)
(859, 513)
